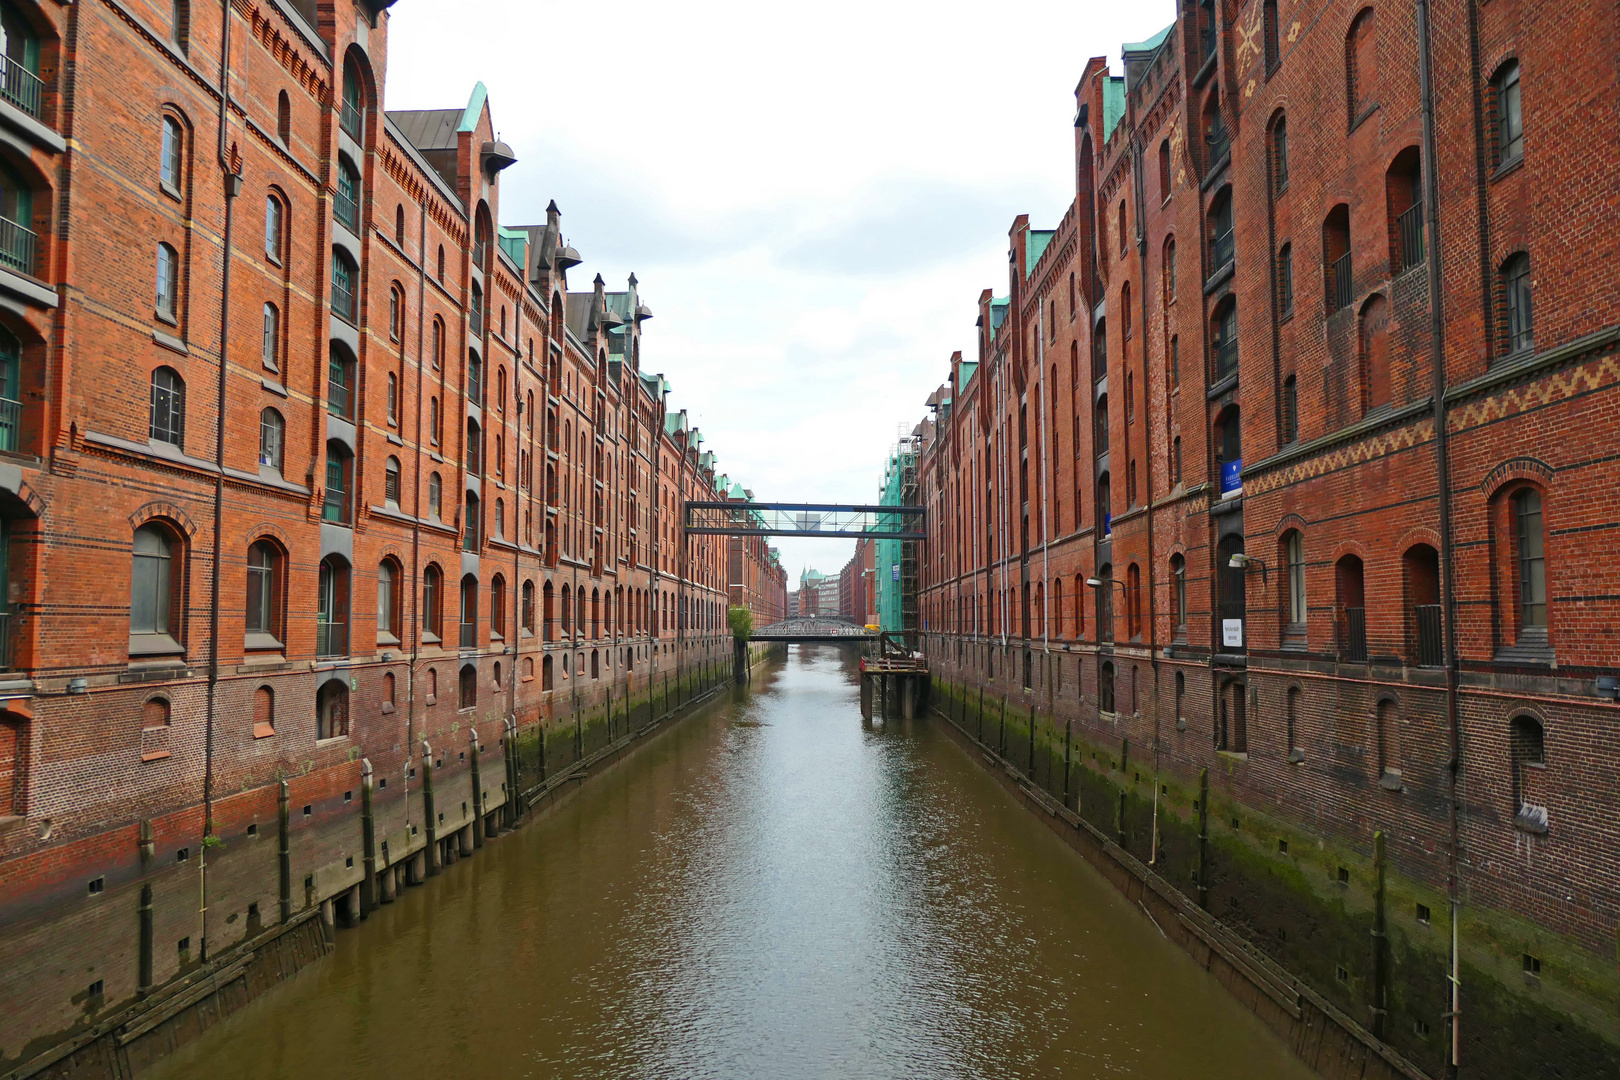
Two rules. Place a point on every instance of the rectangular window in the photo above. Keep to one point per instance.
(1296, 579)
(272, 331)
(1520, 320)
(1285, 281)
(393, 398)
(1509, 116)
(258, 599)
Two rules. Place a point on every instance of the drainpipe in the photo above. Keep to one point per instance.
(416, 522)
(233, 188)
(1442, 467)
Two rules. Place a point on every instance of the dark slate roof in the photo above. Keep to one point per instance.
(579, 313)
(428, 129)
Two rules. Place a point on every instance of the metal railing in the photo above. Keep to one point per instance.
(1429, 650)
(479, 250)
(10, 424)
(1410, 224)
(1221, 250)
(17, 246)
(21, 87)
(337, 399)
(343, 301)
(353, 119)
(331, 638)
(475, 321)
(1339, 282)
(1220, 141)
(1353, 632)
(347, 210)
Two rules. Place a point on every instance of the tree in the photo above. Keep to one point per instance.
(741, 621)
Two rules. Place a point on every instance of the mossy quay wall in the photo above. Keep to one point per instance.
(1308, 927)
(340, 846)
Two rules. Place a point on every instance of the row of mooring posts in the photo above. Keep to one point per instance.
(890, 693)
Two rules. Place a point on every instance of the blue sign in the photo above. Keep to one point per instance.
(1231, 477)
(1108, 523)
(896, 573)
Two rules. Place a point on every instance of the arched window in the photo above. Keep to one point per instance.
(271, 346)
(154, 601)
(168, 424)
(1221, 246)
(1530, 559)
(1279, 155)
(1374, 346)
(393, 400)
(1105, 503)
(1170, 270)
(1164, 171)
(391, 480)
(332, 709)
(495, 673)
(1217, 138)
(475, 316)
(344, 282)
(156, 714)
(273, 225)
(1361, 66)
(340, 382)
(435, 422)
(1224, 339)
(1178, 595)
(388, 691)
(347, 203)
(432, 603)
(1294, 609)
(171, 155)
(1403, 193)
(284, 118)
(332, 608)
(1285, 281)
(1105, 688)
(548, 613)
(337, 505)
(1420, 585)
(470, 528)
(441, 263)
(1350, 603)
(469, 612)
(1099, 350)
(567, 612)
(1517, 321)
(263, 622)
(1336, 257)
(1228, 439)
(264, 712)
(1133, 604)
(475, 378)
(438, 342)
(526, 613)
(1507, 114)
(497, 607)
(469, 687)
(546, 674)
(435, 497)
(474, 445)
(596, 664)
(168, 283)
(399, 224)
(1527, 745)
(396, 313)
(272, 436)
(389, 575)
(1232, 727)
(353, 113)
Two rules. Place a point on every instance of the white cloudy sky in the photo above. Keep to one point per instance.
(812, 196)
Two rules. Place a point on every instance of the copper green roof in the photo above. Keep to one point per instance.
(1036, 242)
(1113, 105)
(475, 105)
(1150, 44)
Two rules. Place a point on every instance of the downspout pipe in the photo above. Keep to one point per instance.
(416, 513)
(1140, 193)
(233, 188)
(1442, 466)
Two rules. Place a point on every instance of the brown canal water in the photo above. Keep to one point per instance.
(774, 888)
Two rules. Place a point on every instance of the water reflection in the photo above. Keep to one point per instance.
(775, 889)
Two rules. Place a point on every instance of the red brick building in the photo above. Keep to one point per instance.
(359, 481)
(857, 593)
(1288, 457)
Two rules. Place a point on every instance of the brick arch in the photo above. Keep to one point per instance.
(1525, 707)
(1418, 534)
(167, 511)
(1349, 547)
(35, 502)
(1288, 522)
(1519, 468)
(266, 529)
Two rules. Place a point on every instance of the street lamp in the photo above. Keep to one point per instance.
(1241, 561)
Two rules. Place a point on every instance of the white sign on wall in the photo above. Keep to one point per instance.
(1232, 633)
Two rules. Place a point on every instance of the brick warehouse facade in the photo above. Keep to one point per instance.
(1402, 703)
(439, 490)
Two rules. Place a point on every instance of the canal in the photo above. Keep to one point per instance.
(774, 888)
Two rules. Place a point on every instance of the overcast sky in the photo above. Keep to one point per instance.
(812, 196)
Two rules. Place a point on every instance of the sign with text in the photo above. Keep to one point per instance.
(1232, 633)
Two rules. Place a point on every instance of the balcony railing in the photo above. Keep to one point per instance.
(479, 250)
(353, 119)
(343, 301)
(337, 400)
(21, 87)
(469, 635)
(1220, 142)
(17, 246)
(10, 424)
(1354, 635)
(347, 210)
(1410, 224)
(1226, 357)
(1339, 283)
(1429, 651)
(331, 638)
(1220, 252)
